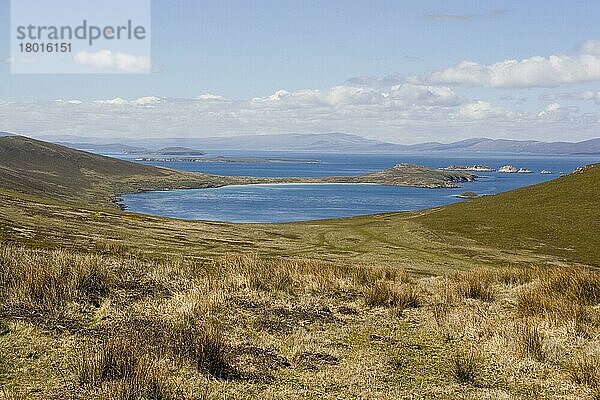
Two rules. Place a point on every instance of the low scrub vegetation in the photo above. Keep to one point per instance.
(47, 280)
(465, 366)
(119, 369)
(125, 327)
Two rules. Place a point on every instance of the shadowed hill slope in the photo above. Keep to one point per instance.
(559, 217)
(53, 171)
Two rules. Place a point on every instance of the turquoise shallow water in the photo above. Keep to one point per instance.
(298, 202)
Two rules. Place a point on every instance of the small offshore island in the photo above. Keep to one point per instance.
(470, 168)
(222, 159)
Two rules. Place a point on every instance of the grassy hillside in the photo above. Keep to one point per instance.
(52, 171)
(452, 303)
(559, 217)
(112, 327)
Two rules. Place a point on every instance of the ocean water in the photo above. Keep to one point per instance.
(299, 202)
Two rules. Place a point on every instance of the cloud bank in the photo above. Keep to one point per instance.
(111, 61)
(395, 108)
(405, 113)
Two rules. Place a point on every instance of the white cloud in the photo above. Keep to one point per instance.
(210, 97)
(480, 110)
(555, 112)
(377, 81)
(398, 96)
(549, 71)
(550, 110)
(406, 113)
(407, 93)
(141, 101)
(116, 101)
(148, 101)
(110, 61)
(73, 101)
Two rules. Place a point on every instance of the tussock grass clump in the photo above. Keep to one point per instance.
(464, 366)
(380, 294)
(115, 247)
(586, 321)
(476, 285)
(290, 276)
(294, 276)
(385, 294)
(184, 337)
(119, 369)
(46, 280)
(585, 370)
(530, 341)
(370, 275)
(560, 292)
(513, 276)
(479, 284)
(407, 296)
(203, 344)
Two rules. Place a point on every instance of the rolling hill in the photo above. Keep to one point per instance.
(410, 298)
(53, 171)
(557, 217)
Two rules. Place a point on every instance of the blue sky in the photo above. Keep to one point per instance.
(245, 50)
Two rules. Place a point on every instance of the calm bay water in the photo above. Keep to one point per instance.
(298, 202)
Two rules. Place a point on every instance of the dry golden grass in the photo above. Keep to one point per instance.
(585, 370)
(530, 340)
(247, 327)
(47, 280)
(118, 369)
(561, 293)
(465, 365)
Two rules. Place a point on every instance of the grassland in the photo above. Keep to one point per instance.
(558, 217)
(100, 303)
(88, 326)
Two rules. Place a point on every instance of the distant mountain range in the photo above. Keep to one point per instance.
(484, 145)
(330, 142)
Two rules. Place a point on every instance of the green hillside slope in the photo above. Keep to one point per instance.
(560, 217)
(52, 171)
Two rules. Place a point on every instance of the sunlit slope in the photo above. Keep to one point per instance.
(560, 217)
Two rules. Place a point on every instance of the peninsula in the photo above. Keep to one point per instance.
(52, 170)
